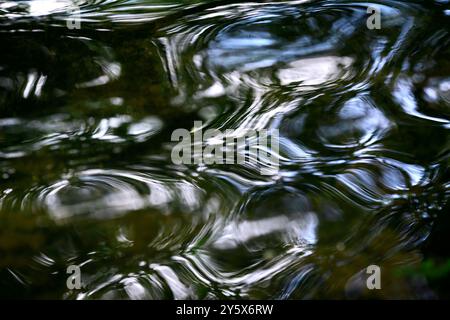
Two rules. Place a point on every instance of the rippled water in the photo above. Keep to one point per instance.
(86, 177)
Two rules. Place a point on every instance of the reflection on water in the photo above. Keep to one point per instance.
(86, 176)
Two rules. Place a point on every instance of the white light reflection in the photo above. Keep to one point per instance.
(302, 230)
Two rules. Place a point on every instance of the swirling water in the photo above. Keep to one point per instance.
(86, 177)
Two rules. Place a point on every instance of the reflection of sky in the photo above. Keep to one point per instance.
(44, 7)
(249, 50)
(131, 11)
(302, 230)
(314, 71)
(404, 96)
(111, 192)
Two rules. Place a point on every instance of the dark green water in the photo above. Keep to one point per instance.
(86, 177)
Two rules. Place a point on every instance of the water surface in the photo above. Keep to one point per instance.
(86, 177)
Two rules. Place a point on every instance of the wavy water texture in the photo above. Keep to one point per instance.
(86, 176)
